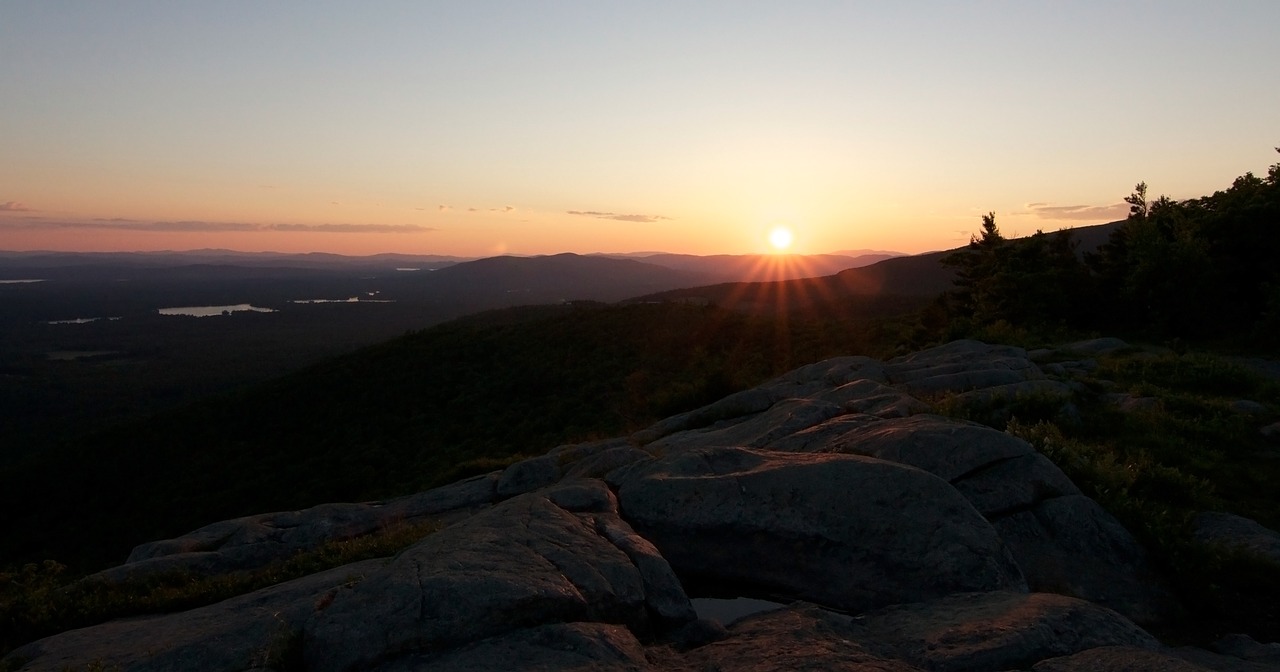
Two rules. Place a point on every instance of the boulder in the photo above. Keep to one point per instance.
(845, 531)
(797, 384)
(872, 398)
(1070, 545)
(1096, 346)
(823, 436)
(524, 563)
(1119, 659)
(1247, 648)
(465, 496)
(996, 472)
(600, 464)
(529, 475)
(800, 637)
(1238, 532)
(585, 647)
(255, 541)
(961, 366)
(949, 449)
(247, 543)
(999, 630)
(259, 629)
(782, 419)
(1218, 662)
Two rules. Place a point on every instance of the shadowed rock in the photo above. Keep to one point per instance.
(961, 366)
(593, 647)
(781, 419)
(1247, 648)
(1212, 527)
(1070, 545)
(800, 383)
(244, 632)
(524, 563)
(829, 484)
(999, 630)
(800, 637)
(1096, 346)
(845, 531)
(1119, 659)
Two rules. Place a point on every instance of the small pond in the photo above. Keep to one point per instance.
(212, 311)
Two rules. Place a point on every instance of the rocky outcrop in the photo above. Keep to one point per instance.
(1237, 532)
(999, 630)
(524, 563)
(902, 539)
(845, 531)
(252, 631)
(255, 541)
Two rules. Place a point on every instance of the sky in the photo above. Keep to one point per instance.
(478, 128)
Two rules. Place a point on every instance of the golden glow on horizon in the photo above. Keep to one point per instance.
(780, 237)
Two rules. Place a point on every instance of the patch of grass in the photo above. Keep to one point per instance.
(1156, 469)
(1224, 590)
(37, 600)
(1199, 373)
(999, 411)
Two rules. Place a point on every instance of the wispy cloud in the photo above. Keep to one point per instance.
(14, 206)
(350, 228)
(195, 226)
(643, 219)
(1094, 213)
(443, 208)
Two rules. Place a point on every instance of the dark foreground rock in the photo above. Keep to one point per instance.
(527, 562)
(909, 541)
(846, 531)
(257, 630)
(1237, 532)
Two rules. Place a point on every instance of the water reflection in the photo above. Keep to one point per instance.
(211, 311)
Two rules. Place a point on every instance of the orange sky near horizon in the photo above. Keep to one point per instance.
(500, 128)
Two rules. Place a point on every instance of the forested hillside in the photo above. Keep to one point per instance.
(416, 411)
(1205, 270)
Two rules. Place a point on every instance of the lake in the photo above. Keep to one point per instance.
(213, 311)
(83, 320)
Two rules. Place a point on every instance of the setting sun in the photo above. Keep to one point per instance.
(780, 238)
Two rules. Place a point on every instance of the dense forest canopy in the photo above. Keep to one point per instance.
(1203, 269)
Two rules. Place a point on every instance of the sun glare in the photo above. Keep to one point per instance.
(780, 238)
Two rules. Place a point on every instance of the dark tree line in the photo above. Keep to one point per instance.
(1205, 268)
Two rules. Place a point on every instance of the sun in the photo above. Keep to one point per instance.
(780, 237)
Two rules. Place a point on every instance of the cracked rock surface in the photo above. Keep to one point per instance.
(902, 540)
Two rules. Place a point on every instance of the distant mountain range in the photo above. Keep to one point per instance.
(468, 285)
(920, 275)
(712, 268)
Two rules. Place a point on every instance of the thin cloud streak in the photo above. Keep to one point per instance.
(121, 224)
(350, 228)
(14, 206)
(642, 219)
(1103, 213)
